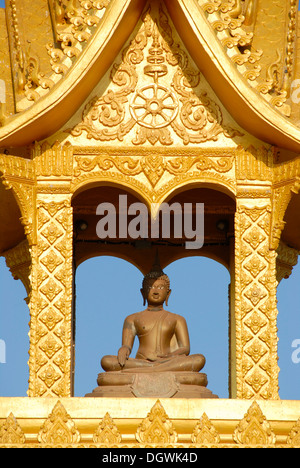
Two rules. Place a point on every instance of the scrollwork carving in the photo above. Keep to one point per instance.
(59, 428)
(287, 258)
(18, 259)
(18, 175)
(234, 24)
(156, 427)
(107, 432)
(294, 436)
(169, 99)
(205, 432)
(11, 432)
(254, 429)
(153, 166)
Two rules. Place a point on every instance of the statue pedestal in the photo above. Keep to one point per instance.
(152, 385)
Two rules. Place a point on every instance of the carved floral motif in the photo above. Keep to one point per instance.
(171, 96)
(205, 432)
(73, 24)
(257, 370)
(18, 260)
(11, 432)
(153, 166)
(17, 174)
(254, 429)
(234, 25)
(294, 436)
(51, 307)
(59, 428)
(107, 432)
(287, 258)
(156, 428)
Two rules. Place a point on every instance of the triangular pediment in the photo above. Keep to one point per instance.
(153, 94)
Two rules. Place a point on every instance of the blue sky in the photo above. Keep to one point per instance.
(109, 287)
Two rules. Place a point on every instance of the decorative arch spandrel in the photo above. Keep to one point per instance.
(155, 174)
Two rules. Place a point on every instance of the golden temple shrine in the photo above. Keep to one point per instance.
(172, 101)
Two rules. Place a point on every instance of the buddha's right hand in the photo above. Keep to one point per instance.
(123, 355)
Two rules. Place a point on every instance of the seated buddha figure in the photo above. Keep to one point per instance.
(164, 343)
(162, 366)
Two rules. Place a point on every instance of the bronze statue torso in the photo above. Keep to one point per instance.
(155, 331)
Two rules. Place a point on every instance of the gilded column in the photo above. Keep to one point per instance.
(256, 370)
(51, 298)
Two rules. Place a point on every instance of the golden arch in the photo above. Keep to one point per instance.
(101, 181)
(211, 183)
(218, 245)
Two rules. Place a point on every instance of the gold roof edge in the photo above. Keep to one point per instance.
(245, 105)
(50, 112)
(249, 110)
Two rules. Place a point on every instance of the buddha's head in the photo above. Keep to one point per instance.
(156, 286)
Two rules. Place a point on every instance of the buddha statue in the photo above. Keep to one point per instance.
(162, 365)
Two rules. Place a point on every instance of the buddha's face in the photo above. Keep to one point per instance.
(157, 292)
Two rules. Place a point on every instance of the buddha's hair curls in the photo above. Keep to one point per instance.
(154, 274)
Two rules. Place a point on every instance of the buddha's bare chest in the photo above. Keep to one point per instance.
(154, 323)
